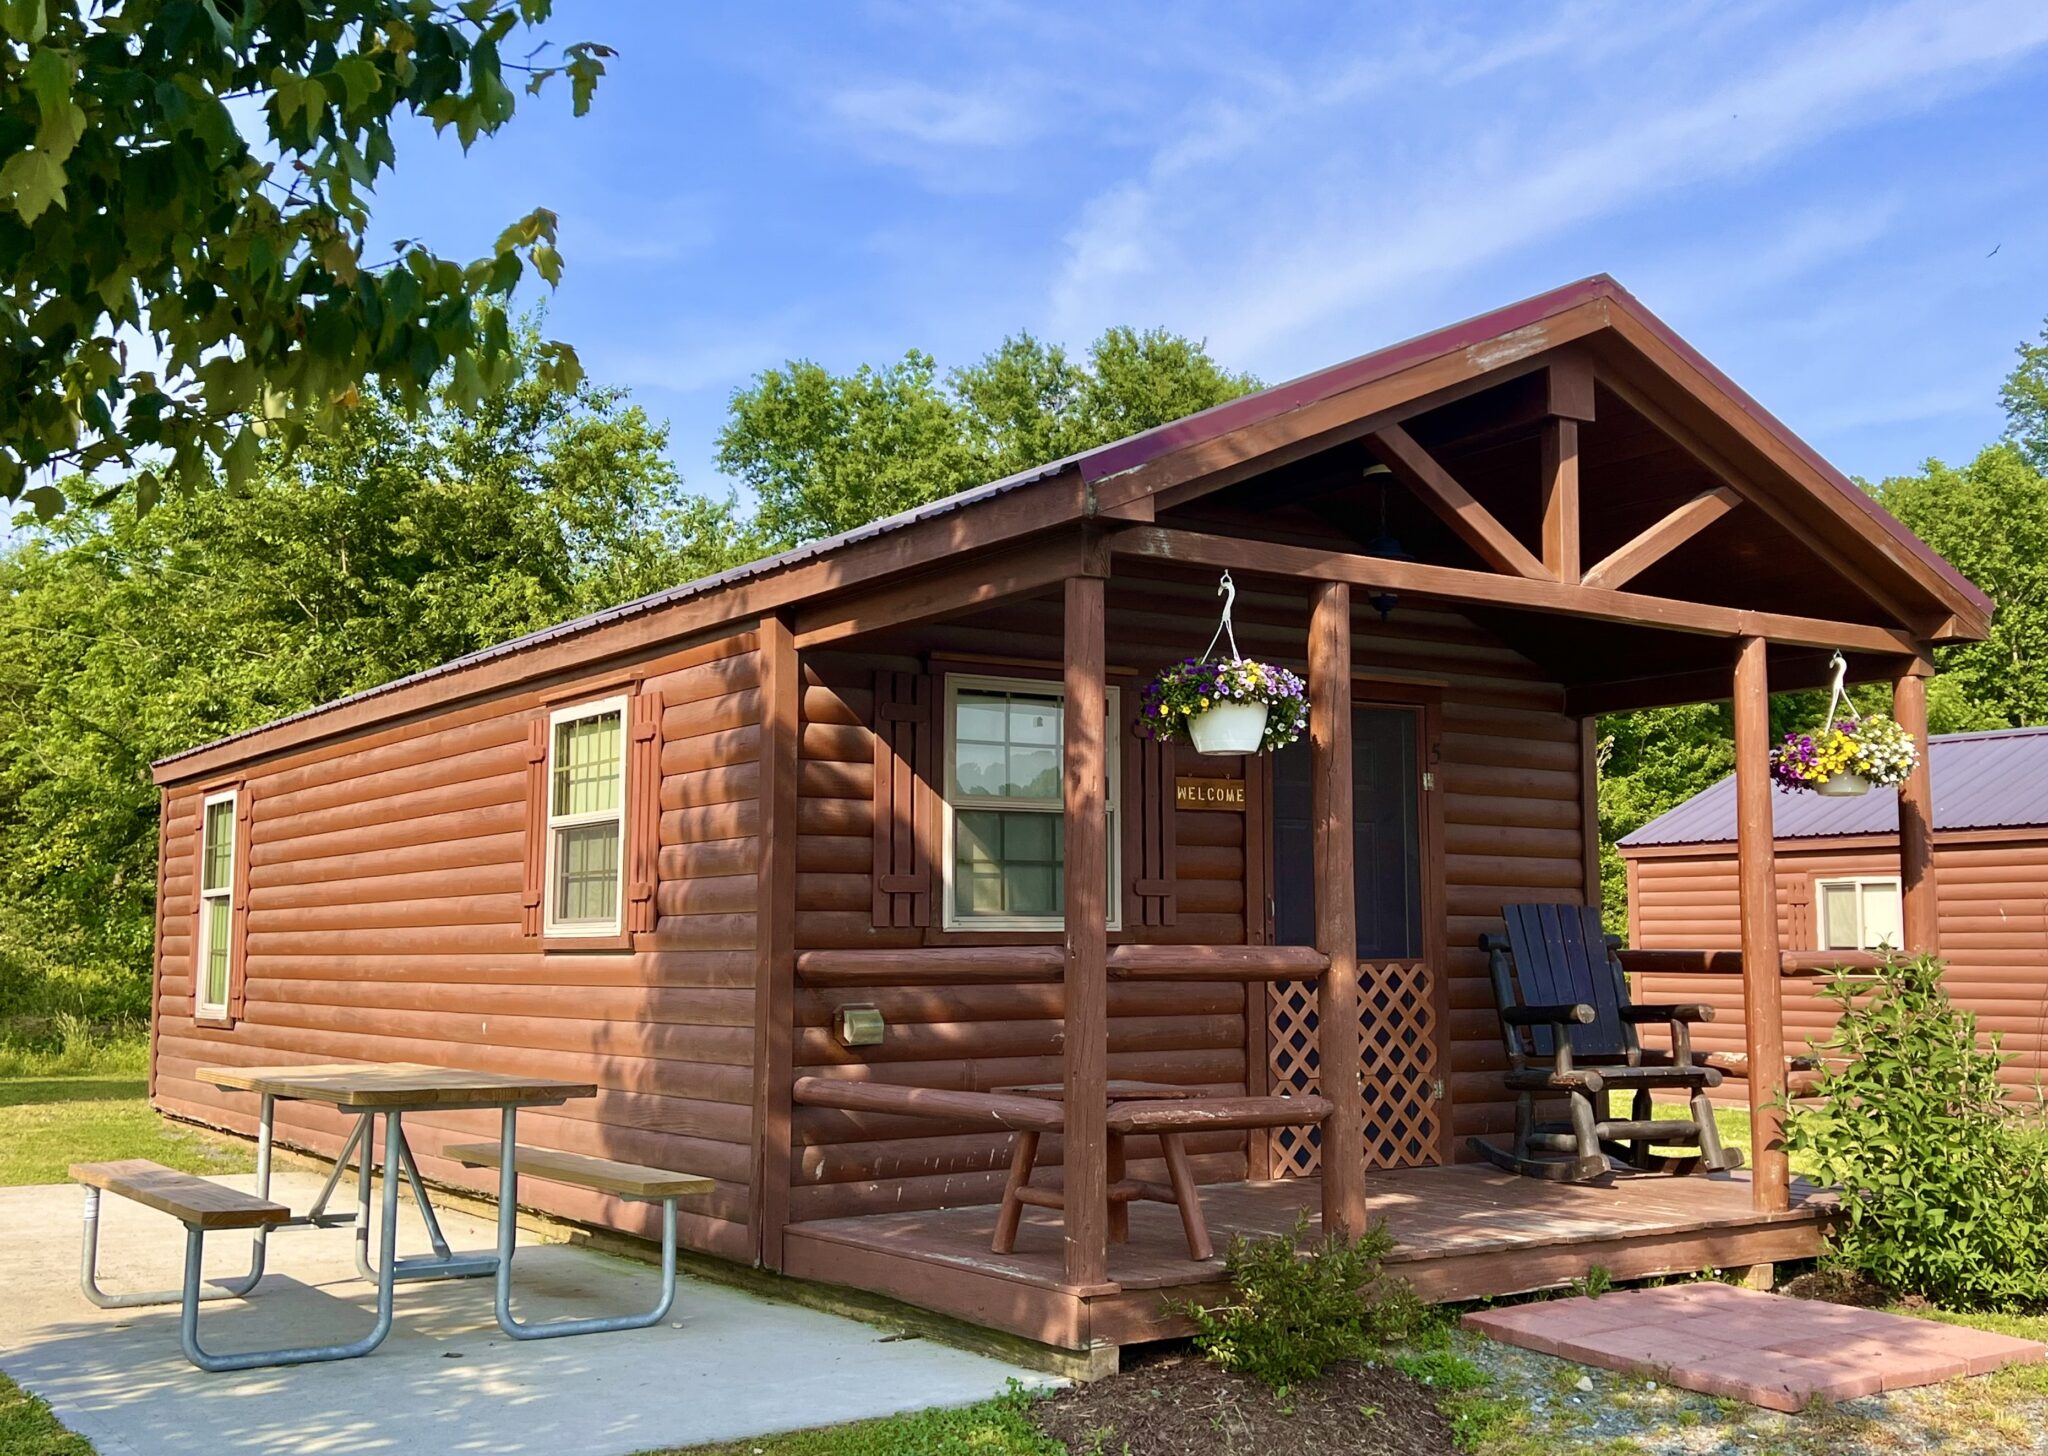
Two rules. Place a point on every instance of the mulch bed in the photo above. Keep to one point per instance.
(1178, 1404)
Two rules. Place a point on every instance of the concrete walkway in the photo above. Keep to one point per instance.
(726, 1365)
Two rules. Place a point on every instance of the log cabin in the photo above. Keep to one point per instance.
(804, 863)
(1839, 889)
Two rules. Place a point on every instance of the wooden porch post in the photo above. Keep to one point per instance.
(1920, 919)
(1337, 1029)
(1762, 989)
(1084, 1055)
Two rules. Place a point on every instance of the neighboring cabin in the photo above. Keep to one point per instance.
(1838, 889)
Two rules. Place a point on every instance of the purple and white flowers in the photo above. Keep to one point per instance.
(1191, 687)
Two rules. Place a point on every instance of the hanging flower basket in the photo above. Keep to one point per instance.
(1227, 706)
(1849, 756)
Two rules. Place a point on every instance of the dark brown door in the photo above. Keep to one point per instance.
(1399, 1011)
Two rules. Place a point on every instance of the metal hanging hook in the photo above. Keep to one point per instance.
(1226, 589)
(1840, 696)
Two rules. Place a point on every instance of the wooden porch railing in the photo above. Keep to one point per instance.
(1041, 964)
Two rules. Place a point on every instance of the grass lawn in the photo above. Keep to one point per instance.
(28, 1429)
(997, 1427)
(86, 1102)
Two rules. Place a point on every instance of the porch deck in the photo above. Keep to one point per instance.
(1461, 1232)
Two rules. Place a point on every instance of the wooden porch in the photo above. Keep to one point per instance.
(1461, 1232)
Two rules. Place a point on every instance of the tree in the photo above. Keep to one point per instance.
(390, 544)
(824, 453)
(176, 294)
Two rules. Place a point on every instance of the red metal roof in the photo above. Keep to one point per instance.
(1993, 780)
(1127, 454)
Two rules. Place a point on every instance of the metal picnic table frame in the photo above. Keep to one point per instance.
(366, 1091)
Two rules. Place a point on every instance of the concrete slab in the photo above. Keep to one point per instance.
(1763, 1348)
(724, 1366)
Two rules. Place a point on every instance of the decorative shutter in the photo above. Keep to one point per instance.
(1148, 813)
(536, 826)
(197, 960)
(643, 811)
(905, 802)
(238, 947)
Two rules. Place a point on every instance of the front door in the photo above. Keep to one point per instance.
(1394, 868)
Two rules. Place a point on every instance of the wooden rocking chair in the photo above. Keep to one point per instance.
(1569, 1030)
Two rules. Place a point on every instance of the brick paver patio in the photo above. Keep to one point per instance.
(1762, 1348)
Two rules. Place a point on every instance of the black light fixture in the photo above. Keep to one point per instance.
(1384, 545)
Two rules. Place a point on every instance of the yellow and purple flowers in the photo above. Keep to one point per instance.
(1876, 749)
(1191, 686)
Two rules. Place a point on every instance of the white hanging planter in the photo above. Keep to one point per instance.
(1228, 728)
(1844, 786)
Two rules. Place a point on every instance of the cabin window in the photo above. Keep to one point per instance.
(1859, 914)
(1005, 826)
(586, 778)
(216, 903)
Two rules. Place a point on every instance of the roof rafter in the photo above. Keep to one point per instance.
(1650, 546)
(1474, 524)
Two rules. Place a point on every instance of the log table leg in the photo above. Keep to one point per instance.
(1119, 1208)
(1185, 1196)
(1022, 1159)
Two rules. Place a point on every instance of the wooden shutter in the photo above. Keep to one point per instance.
(643, 811)
(238, 943)
(530, 918)
(1148, 813)
(905, 799)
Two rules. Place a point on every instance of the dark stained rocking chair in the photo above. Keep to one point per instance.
(1570, 1031)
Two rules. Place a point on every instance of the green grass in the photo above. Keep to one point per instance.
(28, 1429)
(998, 1427)
(84, 1100)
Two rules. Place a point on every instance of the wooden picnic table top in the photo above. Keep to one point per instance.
(404, 1085)
(1120, 1089)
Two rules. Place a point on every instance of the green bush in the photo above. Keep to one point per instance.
(1944, 1194)
(1293, 1314)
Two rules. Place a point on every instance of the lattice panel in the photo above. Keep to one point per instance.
(1397, 1016)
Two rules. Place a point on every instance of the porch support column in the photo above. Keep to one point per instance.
(1337, 1029)
(1763, 1012)
(1920, 920)
(1084, 1054)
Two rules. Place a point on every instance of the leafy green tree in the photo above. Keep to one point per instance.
(824, 453)
(390, 544)
(177, 291)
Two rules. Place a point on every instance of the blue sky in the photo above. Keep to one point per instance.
(1808, 193)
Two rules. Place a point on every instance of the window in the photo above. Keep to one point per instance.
(1005, 851)
(216, 903)
(586, 824)
(1860, 914)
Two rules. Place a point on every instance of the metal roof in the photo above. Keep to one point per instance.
(1119, 456)
(1994, 780)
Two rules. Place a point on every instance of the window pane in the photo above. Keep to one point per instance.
(1881, 925)
(1839, 930)
(219, 918)
(587, 873)
(1007, 863)
(1007, 745)
(219, 867)
(587, 758)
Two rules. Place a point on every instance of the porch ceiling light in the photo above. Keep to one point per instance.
(1384, 545)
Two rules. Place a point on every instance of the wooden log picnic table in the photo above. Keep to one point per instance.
(1123, 1191)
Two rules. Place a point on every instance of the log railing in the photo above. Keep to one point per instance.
(1040, 964)
(1729, 962)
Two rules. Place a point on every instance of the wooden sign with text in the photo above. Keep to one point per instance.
(1224, 794)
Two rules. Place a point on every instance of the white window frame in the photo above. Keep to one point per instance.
(1821, 885)
(950, 917)
(552, 927)
(203, 942)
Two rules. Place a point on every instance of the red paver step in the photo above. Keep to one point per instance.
(1762, 1348)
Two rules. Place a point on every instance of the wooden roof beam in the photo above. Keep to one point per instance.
(1789, 672)
(960, 586)
(1476, 526)
(1450, 583)
(1649, 547)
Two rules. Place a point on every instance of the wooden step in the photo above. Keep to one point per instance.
(192, 1200)
(627, 1180)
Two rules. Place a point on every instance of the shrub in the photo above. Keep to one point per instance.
(1944, 1196)
(1294, 1314)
